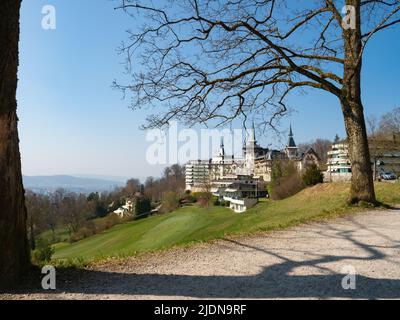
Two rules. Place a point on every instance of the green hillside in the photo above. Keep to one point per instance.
(193, 224)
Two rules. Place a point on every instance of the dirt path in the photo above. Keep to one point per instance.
(304, 262)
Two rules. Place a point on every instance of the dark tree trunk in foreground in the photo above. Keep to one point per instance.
(14, 253)
(362, 185)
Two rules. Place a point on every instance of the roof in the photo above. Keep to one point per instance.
(291, 143)
(274, 154)
(311, 151)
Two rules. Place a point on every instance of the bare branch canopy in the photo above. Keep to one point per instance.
(202, 60)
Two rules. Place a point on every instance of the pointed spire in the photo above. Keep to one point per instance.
(252, 134)
(222, 148)
(291, 143)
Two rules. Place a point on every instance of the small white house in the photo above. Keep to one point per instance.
(126, 210)
(241, 205)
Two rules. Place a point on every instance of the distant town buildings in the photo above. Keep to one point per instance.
(240, 205)
(257, 163)
(197, 174)
(389, 161)
(338, 165)
(385, 157)
(264, 164)
(136, 204)
(242, 192)
(240, 186)
(243, 181)
(126, 210)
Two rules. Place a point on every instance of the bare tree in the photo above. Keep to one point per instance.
(74, 211)
(170, 201)
(320, 146)
(390, 122)
(132, 186)
(217, 61)
(205, 196)
(33, 217)
(172, 179)
(372, 125)
(14, 249)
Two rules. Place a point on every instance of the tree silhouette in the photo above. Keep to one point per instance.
(14, 252)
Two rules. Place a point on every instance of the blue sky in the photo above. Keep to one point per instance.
(72, 122)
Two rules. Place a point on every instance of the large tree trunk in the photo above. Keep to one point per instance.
(362, 186)
(14, 252)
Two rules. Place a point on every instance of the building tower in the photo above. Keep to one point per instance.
(221, 157)
(291, 149)
(222, 149)
(250, 151)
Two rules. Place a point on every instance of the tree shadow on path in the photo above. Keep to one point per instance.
(274, 281)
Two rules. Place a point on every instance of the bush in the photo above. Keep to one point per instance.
(170, 202)
(42, 255)
(142, 208)
(82, 233)
(201, 195)
(86, 231)
(286, 180)
(216, 201)
(287, 186)
(313, 176)
(225, 203)
(270, 188)
(97, 226)
(189, 198)
(204, 199)
(108, 222)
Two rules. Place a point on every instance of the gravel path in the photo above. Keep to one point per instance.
(303, 262)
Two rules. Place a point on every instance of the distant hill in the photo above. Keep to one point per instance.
(45, 184)
(101, 177)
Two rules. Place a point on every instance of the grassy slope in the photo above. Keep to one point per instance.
(192, 224)
(62, 234)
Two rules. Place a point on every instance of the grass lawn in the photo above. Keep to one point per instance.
(193, 224)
